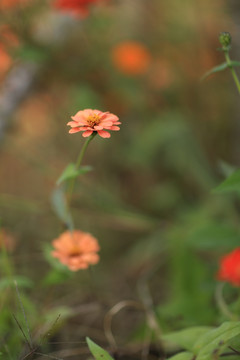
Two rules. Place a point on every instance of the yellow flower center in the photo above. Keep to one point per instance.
(75, 251)
(93, 120)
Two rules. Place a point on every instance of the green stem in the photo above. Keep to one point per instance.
(78, 163)
(234, 74)
(222, 304)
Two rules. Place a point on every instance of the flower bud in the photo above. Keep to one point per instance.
(225, 40)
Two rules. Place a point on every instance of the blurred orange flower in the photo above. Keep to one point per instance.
(76, 7)
(7, 40)
(7, 241)
(230, 268)
(89, 120)
(77, 250)
(131, 58)
(8, 4)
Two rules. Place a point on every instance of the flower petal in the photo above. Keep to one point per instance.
(104, 134)
(87, 133)
(74, 130)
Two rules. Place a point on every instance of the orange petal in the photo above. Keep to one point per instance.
(87, 133)
(104, 134)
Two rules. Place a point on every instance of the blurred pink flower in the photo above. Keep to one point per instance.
(77, 250)
(94, 120)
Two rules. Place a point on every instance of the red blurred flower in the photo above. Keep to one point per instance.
(77, 250)
(131, 57)
(76, 7)
(89, 120)
(230, 268)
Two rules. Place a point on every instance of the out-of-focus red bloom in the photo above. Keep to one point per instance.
(76, 7)
(89, 120)
(230, 268)
(131, 58)
(77, 250)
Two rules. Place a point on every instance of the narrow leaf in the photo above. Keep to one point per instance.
(232, 183)
(218, 68)
(97, 351)
(60, 207)
(70, 172)
(234, 63)
(186, 338)
(215, 341)
(185, 355)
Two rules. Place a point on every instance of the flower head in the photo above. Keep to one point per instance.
(89, 121)
(225, 40)
(131, 57)
(230, 268)
(77, 250)
(78, 8)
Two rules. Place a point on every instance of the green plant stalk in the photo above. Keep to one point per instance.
(77, 164)
(222, 304)
(234, 74)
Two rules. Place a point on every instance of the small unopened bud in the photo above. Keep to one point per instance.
(225, 40)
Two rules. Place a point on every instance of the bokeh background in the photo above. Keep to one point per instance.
(149, 199)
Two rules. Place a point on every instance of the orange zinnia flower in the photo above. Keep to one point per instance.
(76, 7)
(131, 58)
(77, 250)
(94, 120)
(230, 268)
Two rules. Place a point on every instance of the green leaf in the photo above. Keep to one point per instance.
(232, 183)
(221, 67)
(215, 341)
(234, 63)
(70, 172)
(185, 355)
(60, 207)
(56, 277)
(97, 351)
(186, 338)
(218, 68)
